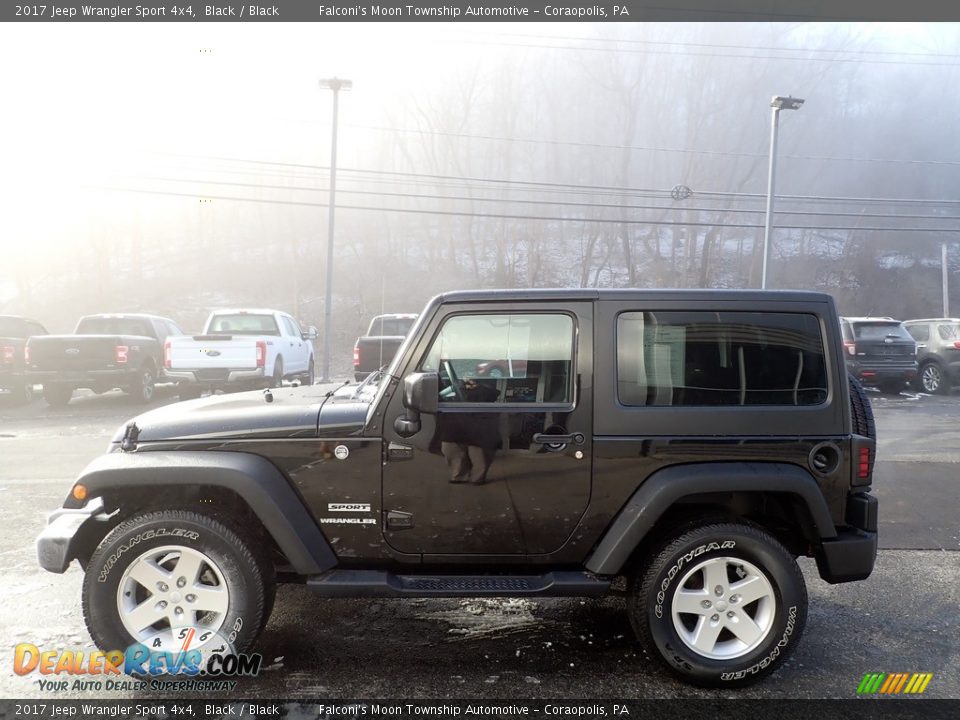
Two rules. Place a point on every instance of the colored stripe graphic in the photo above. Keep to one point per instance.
(894, 683)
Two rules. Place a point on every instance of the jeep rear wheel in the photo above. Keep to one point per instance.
(167, 577)
(720, 605)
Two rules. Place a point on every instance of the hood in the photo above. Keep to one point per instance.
(293, 413)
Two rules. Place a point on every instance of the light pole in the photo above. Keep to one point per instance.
(777, 104)
(335, 84)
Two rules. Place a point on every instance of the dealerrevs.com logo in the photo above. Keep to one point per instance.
(200, 662)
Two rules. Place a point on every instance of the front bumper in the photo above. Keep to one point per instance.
(851, 555)
(58, 544)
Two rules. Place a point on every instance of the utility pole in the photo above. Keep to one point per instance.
(943, 278)
(336, 85)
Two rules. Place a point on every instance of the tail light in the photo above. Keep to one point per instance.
(121, 354)
(851, 348)
(8, 352)
(356, 356)
(166, 355)
(863, 464)
(864, 454)
(956, 344)
(261, 353)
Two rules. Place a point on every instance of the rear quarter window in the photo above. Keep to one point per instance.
(702, 359)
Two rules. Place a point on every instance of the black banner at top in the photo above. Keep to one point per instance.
(479, 11)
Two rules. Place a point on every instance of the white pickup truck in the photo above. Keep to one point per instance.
(240, 349)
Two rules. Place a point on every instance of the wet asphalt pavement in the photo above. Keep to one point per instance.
(904, 618)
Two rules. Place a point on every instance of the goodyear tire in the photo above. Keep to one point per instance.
(179, 570)
(720, 605)
(861, 410)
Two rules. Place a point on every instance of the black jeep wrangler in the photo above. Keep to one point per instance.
(692, 442)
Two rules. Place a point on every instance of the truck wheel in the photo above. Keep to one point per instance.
(277, 380)
(311, 376)
(142, 389)
(158, 576)
(57, 395)
(721, 605)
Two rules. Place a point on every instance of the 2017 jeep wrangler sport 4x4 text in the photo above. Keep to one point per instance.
(694, 443)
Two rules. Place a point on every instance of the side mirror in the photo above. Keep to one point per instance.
(312, 332)
(420, 393)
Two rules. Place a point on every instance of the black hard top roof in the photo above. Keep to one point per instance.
(632, 294)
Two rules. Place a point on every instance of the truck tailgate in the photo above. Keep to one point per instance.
(212, 352)
(73, 352)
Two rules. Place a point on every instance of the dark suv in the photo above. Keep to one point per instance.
(938, 352)
(879, 352)
(690, 443)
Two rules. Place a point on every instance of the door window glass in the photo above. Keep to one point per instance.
(507, 358)
(719, 358)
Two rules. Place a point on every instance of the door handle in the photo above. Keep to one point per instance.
(548, 439)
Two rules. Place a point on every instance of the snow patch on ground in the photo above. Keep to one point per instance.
(486, 617)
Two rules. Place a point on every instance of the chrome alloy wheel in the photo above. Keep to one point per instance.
(169, 588)
(931, 378)
(723, 608)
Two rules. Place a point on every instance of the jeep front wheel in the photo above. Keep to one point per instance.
(720, 605)
(165, 576)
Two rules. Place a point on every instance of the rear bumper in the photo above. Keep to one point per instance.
(869, 374)
(113, 377)
(57, 544)
(206, 378)
(851, 555)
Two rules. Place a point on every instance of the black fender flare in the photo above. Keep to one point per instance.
(257, 481)
(665, 487)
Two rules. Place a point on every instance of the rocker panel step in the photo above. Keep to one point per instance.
(376, 583)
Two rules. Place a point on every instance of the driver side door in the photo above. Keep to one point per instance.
(482, 476)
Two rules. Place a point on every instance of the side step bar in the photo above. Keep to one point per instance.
(376, 583)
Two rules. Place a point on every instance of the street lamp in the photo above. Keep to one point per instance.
(777, 104)
(335, 84)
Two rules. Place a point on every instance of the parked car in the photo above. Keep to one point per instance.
(938, 352)
(240, 349)
(879, 352)
(689, 444)
(381, 342)
(105, 352)
(14, 331)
